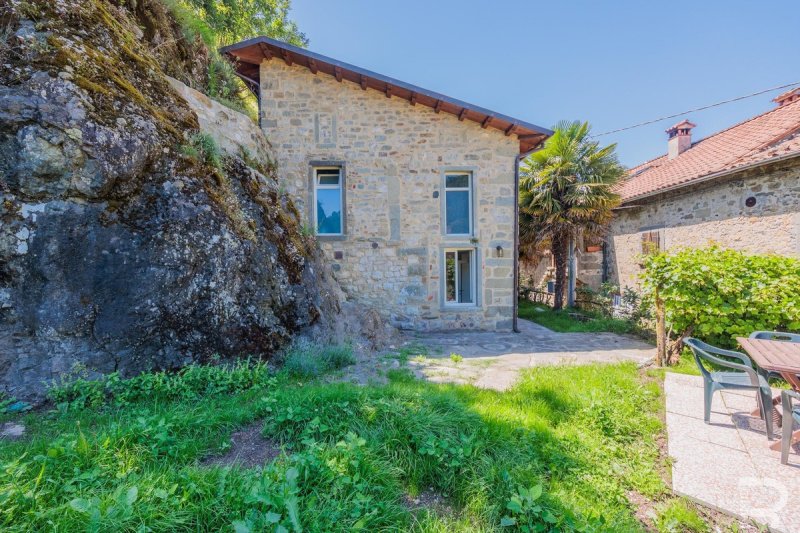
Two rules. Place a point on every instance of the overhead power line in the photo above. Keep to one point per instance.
(659, 119)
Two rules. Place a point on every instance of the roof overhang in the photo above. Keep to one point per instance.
(248, 55)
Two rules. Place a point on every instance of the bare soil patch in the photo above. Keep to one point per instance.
(430, 500)
(248, 449)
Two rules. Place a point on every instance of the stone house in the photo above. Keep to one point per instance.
(412, 194)
(738, 188)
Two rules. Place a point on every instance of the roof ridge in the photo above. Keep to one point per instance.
(736, 125)
(775, 140)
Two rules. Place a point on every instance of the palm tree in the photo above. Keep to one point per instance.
(567, 189)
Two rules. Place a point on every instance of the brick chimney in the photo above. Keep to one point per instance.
(788, 97)
(680, 138)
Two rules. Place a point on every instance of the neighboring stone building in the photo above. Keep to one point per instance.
(739, 188)
(412, 194)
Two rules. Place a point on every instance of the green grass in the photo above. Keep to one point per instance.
(561, 321)
(678, 516)
(558, 452)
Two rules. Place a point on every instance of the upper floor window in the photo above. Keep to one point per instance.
(458, 203)
(328, 215)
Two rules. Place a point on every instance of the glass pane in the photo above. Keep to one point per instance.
(328, 176)
(329, 211)
(457, 212)
(456, 180)
(465, 277)
(450, 276)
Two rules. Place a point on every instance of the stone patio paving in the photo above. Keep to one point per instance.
(728, 464)
(494, 360)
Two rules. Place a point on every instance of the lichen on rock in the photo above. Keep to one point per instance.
(116, 251)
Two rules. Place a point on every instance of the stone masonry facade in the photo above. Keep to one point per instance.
(393, 157)
(755, 211)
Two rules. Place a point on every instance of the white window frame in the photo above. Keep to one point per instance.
(468, 188)
(473, 275)
(318, 186)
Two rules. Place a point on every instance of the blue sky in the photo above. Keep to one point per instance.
(611, 63)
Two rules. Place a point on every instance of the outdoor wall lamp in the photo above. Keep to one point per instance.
(499, 251)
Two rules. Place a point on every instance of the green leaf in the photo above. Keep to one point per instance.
(507, 521)
(81, 505)
(132, 495)
(514, 505)
(240, 526)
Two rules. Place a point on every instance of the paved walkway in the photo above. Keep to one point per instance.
(493, 360)
(727, 464)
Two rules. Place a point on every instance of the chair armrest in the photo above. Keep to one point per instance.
(730, 353)
(736, 366)
(786, 400)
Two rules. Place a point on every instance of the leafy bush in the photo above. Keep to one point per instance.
(190, 382)
(717, 294)
(307, 360)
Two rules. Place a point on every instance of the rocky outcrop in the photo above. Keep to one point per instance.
(122, 247)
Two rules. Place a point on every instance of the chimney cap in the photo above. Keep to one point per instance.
(682, 125)
(787, 97)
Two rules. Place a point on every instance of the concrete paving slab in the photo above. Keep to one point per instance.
(493, 360)
(728, 464)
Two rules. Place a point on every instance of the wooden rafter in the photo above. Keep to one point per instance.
(413, 98)
(337, 71)
(388, 90)
(265, 50)
(462, 113)
(312, 65)
(362, 81)
(510, 129)
(287, 57)
(486, 121)
(438, 106)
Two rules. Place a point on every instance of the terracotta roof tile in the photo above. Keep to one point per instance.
(773, 134)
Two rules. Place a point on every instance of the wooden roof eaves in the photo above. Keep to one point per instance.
(526, 131)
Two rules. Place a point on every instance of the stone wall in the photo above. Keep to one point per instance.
(231, 129)
(394, 155)
(716, 212)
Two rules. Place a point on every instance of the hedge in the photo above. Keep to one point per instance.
(717, 294)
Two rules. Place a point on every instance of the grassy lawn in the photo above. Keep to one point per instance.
(562, 322)
(561, 451)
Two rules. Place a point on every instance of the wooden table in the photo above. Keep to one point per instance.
(776, 356)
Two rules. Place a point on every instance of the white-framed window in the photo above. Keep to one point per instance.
(328, 201)
(460, 277)
(458, 203)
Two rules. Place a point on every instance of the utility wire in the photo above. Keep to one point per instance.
(697, 109)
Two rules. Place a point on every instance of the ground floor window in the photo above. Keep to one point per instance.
(460, 274)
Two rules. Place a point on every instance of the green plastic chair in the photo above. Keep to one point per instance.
(743, 377)
(774, 336)
(791, 416)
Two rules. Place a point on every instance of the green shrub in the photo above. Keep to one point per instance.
(717, 295)
(338, 356)
(305, 359)
(203, 148)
